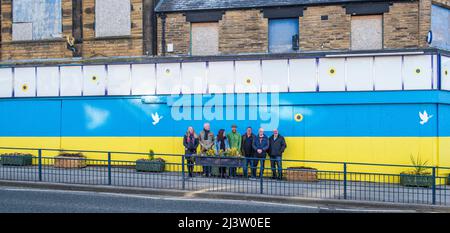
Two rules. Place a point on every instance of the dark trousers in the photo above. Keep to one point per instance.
(258, 160)
(190, 162)
(248, 162)
(275, 164)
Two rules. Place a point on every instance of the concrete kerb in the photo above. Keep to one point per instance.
(330, 204)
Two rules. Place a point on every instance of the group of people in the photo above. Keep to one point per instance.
(254, 148)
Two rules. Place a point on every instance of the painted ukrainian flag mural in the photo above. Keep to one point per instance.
(367, 126)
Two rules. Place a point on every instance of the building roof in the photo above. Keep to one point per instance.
(193, 5)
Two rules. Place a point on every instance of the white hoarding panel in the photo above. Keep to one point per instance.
(6, 82)
(302, 75)
(248, 77)
(332, 74)
(143, 79)
(194, 78)
(445, 73)
(47, 81)
(360, 74)
(94, 80)
(221, 77)
(119, 80)
(417, 72)
(388, 73)
(71, 80)
(25, 82)
(275, 76)
(168, 78)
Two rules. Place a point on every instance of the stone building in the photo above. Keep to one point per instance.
(210, 27)
(98, 28)
(68, 29)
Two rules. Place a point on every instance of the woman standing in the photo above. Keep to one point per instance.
(190, 142)
(222, 145)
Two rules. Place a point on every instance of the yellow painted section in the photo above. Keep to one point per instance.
(377, 150)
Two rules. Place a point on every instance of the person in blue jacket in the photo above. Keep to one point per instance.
(223, 145)
(260, 146)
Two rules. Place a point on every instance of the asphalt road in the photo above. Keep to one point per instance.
(18, 200)
(23, 200)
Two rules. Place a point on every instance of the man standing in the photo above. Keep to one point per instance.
(247, 150)
(206, 141)
(277, 146)
(234, 139)
(260, 145)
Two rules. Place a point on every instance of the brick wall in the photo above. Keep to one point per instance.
(21, 50)
(332, 34)
(115, 46)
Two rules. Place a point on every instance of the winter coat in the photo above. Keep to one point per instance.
(276, 147)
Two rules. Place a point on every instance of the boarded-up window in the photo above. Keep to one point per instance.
(36, 20)
(283, 35)
(112, 18)
(367, 32)
(205, 39)
(440, 26)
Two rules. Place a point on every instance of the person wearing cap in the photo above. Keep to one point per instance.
(234, 139)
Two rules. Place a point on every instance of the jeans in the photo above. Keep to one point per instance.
(257, 161)
(275, 164)
(207, 170)
(248, 162)
(232, 171)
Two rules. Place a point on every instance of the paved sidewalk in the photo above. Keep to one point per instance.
(323, 189)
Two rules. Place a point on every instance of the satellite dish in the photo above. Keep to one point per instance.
(430, 37)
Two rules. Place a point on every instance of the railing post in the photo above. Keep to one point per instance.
(109, 169)
(261, 175)
(183, 175)
(345, 181)
(40, 164)
(434, 186)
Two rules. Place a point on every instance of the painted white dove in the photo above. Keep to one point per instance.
(156, 118)
(424, 117)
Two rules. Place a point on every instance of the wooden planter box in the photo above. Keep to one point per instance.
(16, 160)
(150, 166)
(302, 174)
(70, 162)
(409, 180)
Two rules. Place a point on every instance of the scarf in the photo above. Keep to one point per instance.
(206, 134)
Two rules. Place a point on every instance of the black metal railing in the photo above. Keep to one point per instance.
(297, 178)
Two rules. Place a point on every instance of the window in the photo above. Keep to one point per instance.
(440, 26)
(112, 18)
(204, 38)
(283, 35)
(36, 20)
(367, 32)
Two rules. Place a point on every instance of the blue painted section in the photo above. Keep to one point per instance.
(440, 26)
(45, 15)
(30, 118)
(281, 32)
(129, 117)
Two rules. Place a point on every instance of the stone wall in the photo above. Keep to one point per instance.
(401, 26)
(25, 50)
(244, 31)
(332, 33)
(131, 45)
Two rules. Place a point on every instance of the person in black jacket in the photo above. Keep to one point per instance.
(190, 142)
(247, 150)
(277, 146)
